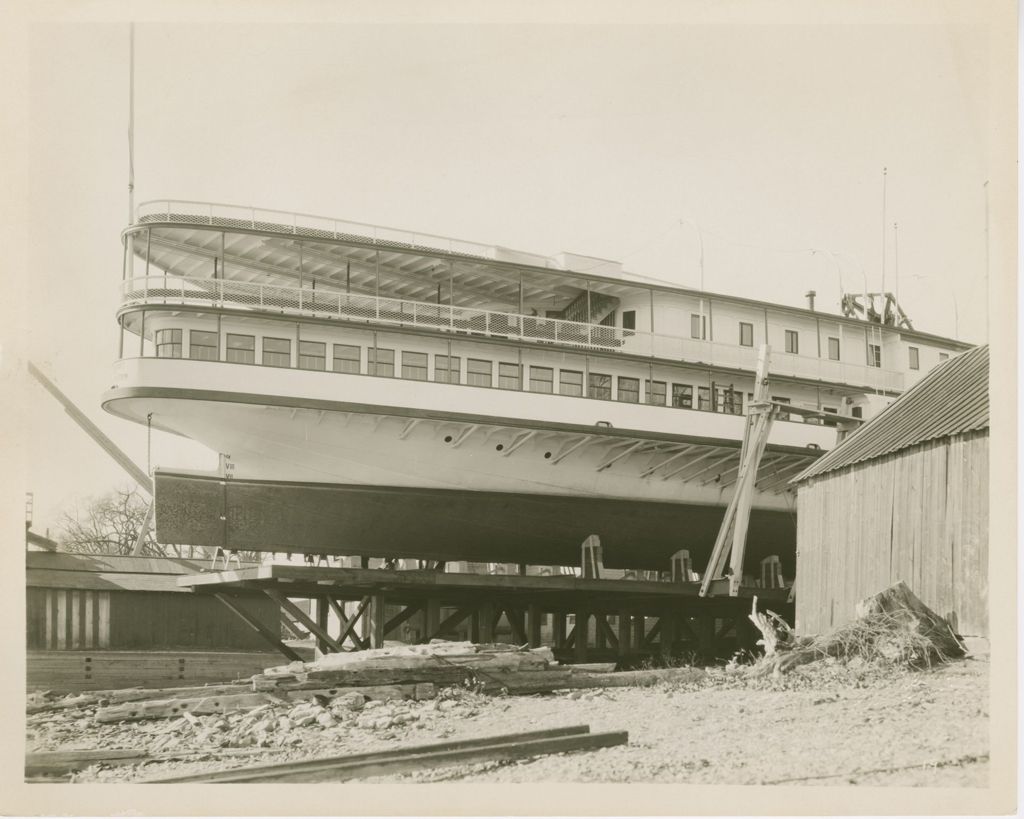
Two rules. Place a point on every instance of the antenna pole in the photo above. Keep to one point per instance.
(896, 268)
(885, 172)
(131, 123)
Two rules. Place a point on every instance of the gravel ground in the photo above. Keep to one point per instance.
(825, 723)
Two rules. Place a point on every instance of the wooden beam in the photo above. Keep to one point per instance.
(582, 631)
(450, 621)
(625, 632)
(349, 629)
(257, 626)
(606, 630)
(431, 618)
(313, 627)
(375, 614)
(517, 620)
(406, 614)
(534, 618)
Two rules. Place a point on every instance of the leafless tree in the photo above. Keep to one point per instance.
(110, 525)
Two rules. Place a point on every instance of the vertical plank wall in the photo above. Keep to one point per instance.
(920, 515)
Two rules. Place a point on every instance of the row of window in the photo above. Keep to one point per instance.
(698, 330)
(345, 358)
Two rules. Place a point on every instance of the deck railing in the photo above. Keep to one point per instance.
(357, 307)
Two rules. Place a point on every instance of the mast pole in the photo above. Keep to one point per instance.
(131, 149)
(131, 123)
(885, 172)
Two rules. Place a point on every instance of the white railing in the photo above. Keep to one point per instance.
(304, 224)
(296, 301)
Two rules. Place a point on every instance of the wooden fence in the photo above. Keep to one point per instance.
(919, 515)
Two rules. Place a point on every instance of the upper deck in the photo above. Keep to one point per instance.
(233, 258)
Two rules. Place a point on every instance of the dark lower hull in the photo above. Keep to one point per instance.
(448, 524)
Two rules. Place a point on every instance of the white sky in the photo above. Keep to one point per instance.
(587, 138)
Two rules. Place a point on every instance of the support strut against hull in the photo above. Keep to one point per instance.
(733, 531)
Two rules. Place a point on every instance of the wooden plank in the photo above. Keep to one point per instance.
(173, 708)
(103, 619)
(62, 619)
(373, 756)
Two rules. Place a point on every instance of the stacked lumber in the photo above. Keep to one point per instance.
(400, 673)
(494, 668)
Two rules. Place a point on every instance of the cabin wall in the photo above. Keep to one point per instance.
(79, 619)
(920, 516)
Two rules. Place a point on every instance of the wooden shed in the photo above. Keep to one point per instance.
(903, 498)
(95, 621)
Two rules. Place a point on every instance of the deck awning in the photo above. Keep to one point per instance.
(359, 265)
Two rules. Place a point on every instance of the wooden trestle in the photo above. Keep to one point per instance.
(583, 619)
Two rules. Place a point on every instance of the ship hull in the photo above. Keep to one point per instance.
(444, 524)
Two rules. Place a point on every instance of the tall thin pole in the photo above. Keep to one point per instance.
(896, 268)
(131, 123)
(885, 172)
(130, 255)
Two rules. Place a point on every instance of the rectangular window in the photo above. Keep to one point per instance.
(508, 376)
(746, 334)
(346, 358)
(655, 392)
(542, 379)
(782, 414)
(629, 319)
(943, 356)
(857, 412)
(241, 349)
(380, 361)
(874, 355)
(629, 389)
(168, 343)
(202, 345)
(830, 411)
(570, 382)
(792, 342)
(682, 396)
(414, 366)
(915, 358)
(704, 398)
(698, 326)
(312, 355)
(730, 401)
(479, 373)
(448, 370)
(600, 386)
(277, 352)
(833, 349)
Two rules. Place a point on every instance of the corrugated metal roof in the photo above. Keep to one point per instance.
(952, 399)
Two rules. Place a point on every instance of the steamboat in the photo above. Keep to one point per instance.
(382, 392)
